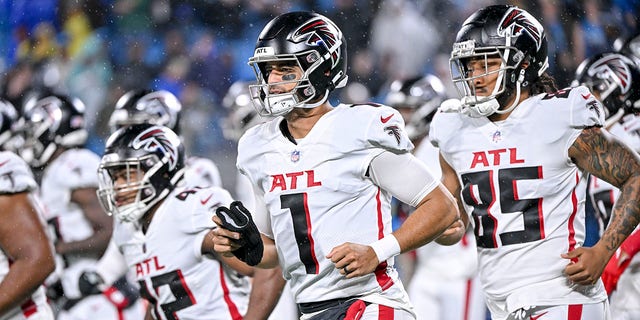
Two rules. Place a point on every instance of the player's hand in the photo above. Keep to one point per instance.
(354, 259)
(90, 283)
(452, 234)
(225, 241)
(614, 269)
(237, 218)
(586, 265)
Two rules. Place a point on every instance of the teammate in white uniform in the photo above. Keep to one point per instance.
(442, 278)
(26, 258)
(54, 135)
(241, 116)
(165, 234)
(517, 152)
(162, 108)
(155, 107)
(324, 177)
(615, 80)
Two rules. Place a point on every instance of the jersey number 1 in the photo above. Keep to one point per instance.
(299, 209)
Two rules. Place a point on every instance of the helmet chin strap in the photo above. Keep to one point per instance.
(515, 102)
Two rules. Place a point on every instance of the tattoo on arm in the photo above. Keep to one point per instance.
(604, 156)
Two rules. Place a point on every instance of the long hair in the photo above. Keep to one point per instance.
(544, 84)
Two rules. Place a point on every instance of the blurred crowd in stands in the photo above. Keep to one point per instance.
(99, 49)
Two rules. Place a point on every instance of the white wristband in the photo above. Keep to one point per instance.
(386, 247)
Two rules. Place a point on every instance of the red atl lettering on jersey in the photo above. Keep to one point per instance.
(148, 265)
(494, 157)
(289, 181)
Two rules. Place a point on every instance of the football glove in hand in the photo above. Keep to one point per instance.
(238, 219)
(90, 283)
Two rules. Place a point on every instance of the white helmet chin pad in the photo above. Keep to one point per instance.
(279, 104)
(476, 109)
(131, 212)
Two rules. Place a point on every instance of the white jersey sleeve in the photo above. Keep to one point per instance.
(202, 172)
(15, 174)
(386, 129)
(200, 215)
(582, 99)
(75, 169)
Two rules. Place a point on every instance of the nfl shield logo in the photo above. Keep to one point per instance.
(295, 156)
(497, 136)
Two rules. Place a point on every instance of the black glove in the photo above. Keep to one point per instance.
(89, 283)
(237, 218)
(54, 291)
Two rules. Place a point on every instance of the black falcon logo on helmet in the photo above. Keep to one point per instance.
(516, 21)
(317, 32)
(154, 139)
(614, 67)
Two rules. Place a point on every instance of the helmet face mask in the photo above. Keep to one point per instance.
(280, 103)
(142, 160)
(499, 31)
(309, 41)
(486, 63)
(125, 188)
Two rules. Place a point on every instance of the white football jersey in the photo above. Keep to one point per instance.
(318, 196)
(73, 169)
(173, 274)
(202, 172)
(525, 196)
(16, 177)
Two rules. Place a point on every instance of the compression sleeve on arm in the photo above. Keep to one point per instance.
(260, 214)
(403, 175)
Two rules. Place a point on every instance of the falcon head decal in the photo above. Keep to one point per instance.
(613, 68)
(320, 32)
(155, 140)
(517, 21)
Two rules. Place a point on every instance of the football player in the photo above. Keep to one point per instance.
(26, 258)
(165, 229)
(324, 176)
(54, 133)
(615, 80)
(160, 107)
(517, 153)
